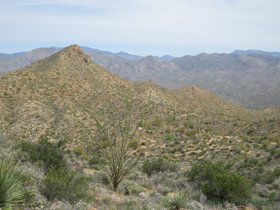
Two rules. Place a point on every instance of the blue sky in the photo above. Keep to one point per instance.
(142, 27)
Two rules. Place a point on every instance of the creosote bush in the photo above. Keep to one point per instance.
(159, 165)
(157, 122)
(62, 184)
(78, 150)
(191, 133)
(169, 137)
(45, 151)
(217, 182)
(134, 143)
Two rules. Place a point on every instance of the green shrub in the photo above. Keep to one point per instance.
(147, 125)
(157, 122)
(93, 161)
(204, 134)
(190, 133)
(267, 177)
(167, 129)
(265, 143)
(276, 153)
(104, 179)
(276, 172)
(86, 156)
(104, 144)
(169, 137)
(170, 119)
(11, 184)
(45, 151)
(159, 165)
(271, 196)
(235, 124)
(217, 182)
(134, 143)
(189, 124)
(78, 150)
(180, 130)
(62, 184)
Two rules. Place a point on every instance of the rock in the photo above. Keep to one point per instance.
(87, 58)
(114, 198)
(143, 196)
(202, 198)
(75, 49)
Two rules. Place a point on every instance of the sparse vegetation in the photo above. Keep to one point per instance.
(88, 148)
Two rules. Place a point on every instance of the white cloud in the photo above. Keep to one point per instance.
(196, 26)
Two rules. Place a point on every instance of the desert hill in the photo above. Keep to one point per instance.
(179, 127)
(31, 103)
(250, 80)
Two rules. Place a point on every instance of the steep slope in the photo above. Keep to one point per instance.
(36, 99)
(249, 80)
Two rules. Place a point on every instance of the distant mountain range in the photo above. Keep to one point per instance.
(121, 54)
(138, 57)
(242, 77)
(247, 52)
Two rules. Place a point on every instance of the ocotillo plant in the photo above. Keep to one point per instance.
(116, 126)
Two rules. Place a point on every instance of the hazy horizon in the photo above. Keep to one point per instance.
(143, 28)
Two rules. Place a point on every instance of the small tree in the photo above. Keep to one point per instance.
(117, 129)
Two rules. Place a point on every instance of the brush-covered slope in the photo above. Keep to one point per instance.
(37, 100)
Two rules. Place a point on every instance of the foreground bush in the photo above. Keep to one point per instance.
(11, 184)
(64, 185)
(217, 182)
(46, 152)
(160, 165)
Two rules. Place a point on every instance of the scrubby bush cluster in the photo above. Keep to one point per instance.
(63, 184)
(218, 183)
(159, 165)
(59, 181)
(44, 152)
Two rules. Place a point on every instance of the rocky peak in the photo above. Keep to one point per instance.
(74, 50)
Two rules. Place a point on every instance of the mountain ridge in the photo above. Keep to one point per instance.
(249, 80)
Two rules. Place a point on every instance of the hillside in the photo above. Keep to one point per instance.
(181, 126)
(32, 88)
(249, 80)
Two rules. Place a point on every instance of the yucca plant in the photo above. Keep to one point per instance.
(178, 200)
(11, 184)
